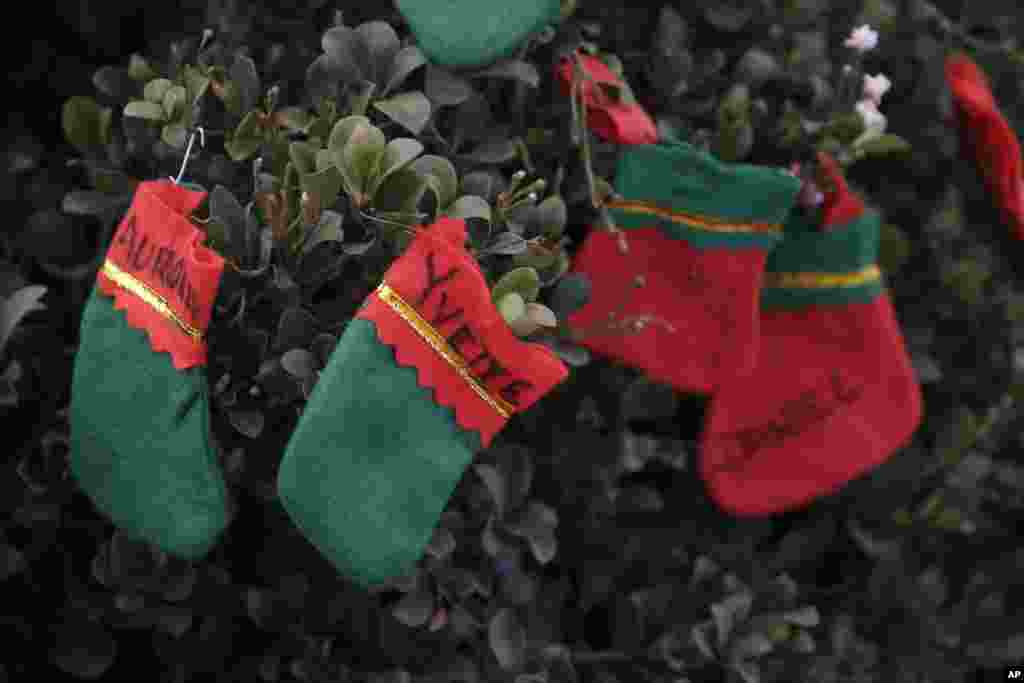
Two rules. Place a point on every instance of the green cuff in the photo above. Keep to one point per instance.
(811, 266)
(691, 195)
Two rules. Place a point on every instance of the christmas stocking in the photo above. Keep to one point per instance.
(424, 376)
(833, 394)
(140, 444)
(987, 137)
(698, 232)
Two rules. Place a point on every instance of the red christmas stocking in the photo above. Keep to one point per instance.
(698, 231)
(833, 394)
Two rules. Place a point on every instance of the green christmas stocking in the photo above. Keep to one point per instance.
(140, 443)
(424, 376)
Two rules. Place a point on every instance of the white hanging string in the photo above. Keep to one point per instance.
(188, 152)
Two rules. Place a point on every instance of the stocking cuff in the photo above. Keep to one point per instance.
(160, 275)
(690, 195)
(814, 266)
(434, 310)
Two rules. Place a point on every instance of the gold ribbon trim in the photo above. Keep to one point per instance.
(443, 348)
(864, 276)
(693, 220)
(143, 291)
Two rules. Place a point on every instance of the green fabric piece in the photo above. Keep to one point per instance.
(843, 249)
(809, 249)
(373, 461)
(140, 444)
(678, 177)
(467, 33)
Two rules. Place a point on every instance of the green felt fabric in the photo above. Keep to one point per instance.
(678, 177)
(808, 249)
(467, 33)
(140, 443)
(373, 461)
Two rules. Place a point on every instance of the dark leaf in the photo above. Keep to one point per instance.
(382, 43)
(348, 55)
(16, 307)
(247, 422)
(729, 16)
(295, 329)
(515, 69)
(407, 60)
(84, 650)
(93, 203)
(116, 82)
(299, 363)
(446, 88)
(494, 151)
(415, 609)
(411, 110)
(507, 244)
(12, 561)
(246, 84)
(507, 639)
(570, 294)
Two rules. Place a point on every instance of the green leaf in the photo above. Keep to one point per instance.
(361, 159)
(139, 69)
(196, 83)
(325, 185)
(145, 110)
(524, 281)
(175, 135)
(512, 307)
(883, 145)
(407, 60)
(440, 176)
(410, 110)
(507, 639)
(552, 215)
(400, 192)
(174, 102)
(470, 206)
(894, 248)
(16, 307)
(295, 118)
(247, 138)
(328, 230)
(340, 134)
(82, 120)
(303, 155)
(398, 154)
(156, 89)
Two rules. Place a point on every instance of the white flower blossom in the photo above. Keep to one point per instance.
(875, 87)
(862, 39)
(874, 122)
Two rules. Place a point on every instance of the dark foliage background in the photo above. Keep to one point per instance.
(581, 547)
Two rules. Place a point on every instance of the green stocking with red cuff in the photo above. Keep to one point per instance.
(698, 232)
(140, 445)
(833, 394)
(424, 376)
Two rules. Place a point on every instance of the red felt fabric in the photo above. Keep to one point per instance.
(626, 124)
(833, 395)
(987, 137)
(442, 281)
(710, 296)
(158, 245)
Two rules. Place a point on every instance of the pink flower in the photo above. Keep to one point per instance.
(875, 87)
(862, 39)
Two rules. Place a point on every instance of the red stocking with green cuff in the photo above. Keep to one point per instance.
(833, 394)
(698, 231)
